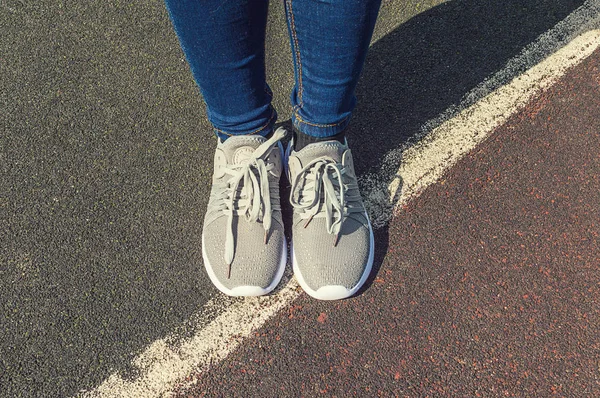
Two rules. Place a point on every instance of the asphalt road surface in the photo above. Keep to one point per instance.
(106, 158)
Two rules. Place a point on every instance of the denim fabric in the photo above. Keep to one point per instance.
(224, 43)
(329, 39)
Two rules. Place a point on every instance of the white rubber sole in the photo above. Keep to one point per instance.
(247, 291)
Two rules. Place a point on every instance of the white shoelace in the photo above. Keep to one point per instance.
(325, 193)
(248, 193)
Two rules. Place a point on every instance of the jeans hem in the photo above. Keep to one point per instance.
(319, 129)
(262, 130)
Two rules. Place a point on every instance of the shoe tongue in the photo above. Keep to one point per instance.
(331, 149)
(239, 149)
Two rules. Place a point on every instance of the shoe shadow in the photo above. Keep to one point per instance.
(423, 68)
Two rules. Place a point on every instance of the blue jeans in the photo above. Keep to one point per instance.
(224, 43)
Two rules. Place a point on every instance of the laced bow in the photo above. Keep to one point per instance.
(320, 190)
(248, 193)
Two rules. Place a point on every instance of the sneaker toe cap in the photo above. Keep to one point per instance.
(325, 270)
(256, 266)
(248, 291)
(331, 292)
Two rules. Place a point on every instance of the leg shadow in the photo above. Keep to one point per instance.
(424, 67)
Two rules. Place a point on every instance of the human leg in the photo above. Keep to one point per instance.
(243, 243)
(224, 43)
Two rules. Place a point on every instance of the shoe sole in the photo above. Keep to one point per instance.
(249, 291)
(330, 292)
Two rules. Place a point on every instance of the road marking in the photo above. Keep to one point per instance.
(162, 366)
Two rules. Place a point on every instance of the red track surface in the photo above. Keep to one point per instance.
(490, 285)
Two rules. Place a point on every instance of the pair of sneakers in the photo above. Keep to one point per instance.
(243, 242)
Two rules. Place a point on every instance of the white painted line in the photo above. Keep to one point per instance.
(583, 19)
(161, 367)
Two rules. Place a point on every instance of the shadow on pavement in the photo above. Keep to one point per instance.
(427, 65)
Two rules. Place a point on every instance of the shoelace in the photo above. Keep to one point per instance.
(248, 193)
(319, 190)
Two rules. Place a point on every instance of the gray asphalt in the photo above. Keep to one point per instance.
(106, 158)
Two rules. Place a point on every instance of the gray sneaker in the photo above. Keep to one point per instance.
(243, 244)
(333, 248)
